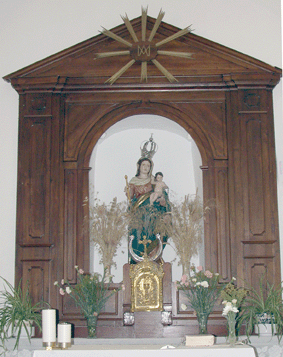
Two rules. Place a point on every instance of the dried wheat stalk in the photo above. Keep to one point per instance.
(186, 228)
(108, 225)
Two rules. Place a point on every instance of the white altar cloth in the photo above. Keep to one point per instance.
(148, 350)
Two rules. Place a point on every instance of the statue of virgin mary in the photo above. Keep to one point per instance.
(146, 218)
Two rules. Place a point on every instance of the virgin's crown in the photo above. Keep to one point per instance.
(148, 148)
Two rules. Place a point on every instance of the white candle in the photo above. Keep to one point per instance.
(49, 326)
(64, 332)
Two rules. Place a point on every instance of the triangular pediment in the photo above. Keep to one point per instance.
(207, 62)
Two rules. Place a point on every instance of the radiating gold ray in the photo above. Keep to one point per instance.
(143, 20)
(116, 37)
(175, 54)
(154, 30)
(163, 70)
(120, 72)
(144, 71)
(111, 54)
(130, 27)
(173, 37)
(156, 25)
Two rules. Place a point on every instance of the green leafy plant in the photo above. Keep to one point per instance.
(263, 305)
(17, 312)
(90, 295)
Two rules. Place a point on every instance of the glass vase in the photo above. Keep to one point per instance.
(107, 274)
(202, 322)
(231, 319)
(91, 326)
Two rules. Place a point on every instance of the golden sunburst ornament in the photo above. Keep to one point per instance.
(143, 50)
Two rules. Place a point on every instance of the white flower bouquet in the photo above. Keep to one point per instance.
(233, 298)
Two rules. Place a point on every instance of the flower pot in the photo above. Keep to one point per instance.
(264, 325)
(264, 329)
(24, 334)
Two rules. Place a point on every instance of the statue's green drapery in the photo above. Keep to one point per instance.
(146, 219)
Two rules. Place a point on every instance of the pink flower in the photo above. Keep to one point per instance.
(123, 287)
(95, 313)
(183, 279)
(62, 292)
(199, 268)
(208, 274)
(62, 281)
(81, 271)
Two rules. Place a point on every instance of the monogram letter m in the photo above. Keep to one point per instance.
(144, 50)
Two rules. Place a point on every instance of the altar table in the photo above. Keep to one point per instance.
(148, 351)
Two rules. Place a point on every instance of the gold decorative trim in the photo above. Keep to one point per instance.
(144, 51)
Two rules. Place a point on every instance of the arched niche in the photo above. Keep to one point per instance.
(117, 152)
(189, 122)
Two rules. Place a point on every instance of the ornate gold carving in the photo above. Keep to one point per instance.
(146, 284)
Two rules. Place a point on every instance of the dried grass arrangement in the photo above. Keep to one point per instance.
(108, 225)
(186, 228)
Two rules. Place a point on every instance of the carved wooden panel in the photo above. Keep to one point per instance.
(255, 160)
(255, 176)
(78, 125)
(36, 273)
(36, 181)
(38, 104)
(257, 267)
(70, 236)
(222, 208)
(76, 240)
(253, 100)
(199, 111)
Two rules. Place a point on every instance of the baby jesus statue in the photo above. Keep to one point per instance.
(158, 195)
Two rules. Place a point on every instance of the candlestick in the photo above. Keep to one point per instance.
(64, 334)
(49, 328)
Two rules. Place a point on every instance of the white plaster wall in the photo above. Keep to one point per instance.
(31, 30)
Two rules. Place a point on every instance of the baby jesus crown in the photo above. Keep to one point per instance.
(148, 148)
